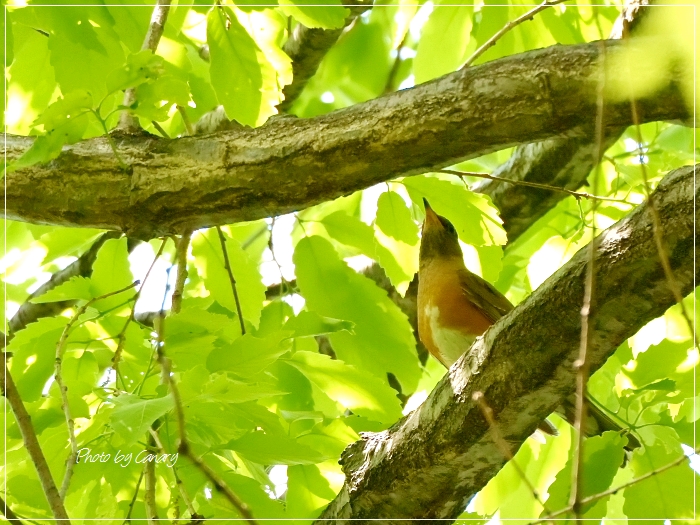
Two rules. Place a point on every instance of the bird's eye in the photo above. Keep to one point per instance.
(448, 226)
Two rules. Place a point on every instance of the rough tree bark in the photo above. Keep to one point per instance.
(290, 163)
(430, 463)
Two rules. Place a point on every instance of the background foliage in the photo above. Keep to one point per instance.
(271, 410)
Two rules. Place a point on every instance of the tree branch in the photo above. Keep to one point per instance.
(523, 365)
(31, 443)
(155, 31)
(307, 47)
(289, 164)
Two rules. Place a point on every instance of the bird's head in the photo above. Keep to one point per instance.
(438, 238)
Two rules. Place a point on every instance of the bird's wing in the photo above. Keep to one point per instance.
(492, 303)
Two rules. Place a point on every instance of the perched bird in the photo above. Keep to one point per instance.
(455, 306)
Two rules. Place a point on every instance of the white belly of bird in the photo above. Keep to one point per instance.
(451, 343)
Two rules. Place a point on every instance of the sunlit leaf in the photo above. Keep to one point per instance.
(327, 14)
(382, 341)
(351, 387)
(132, 416)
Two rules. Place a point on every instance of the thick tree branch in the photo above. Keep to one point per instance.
(429, 464)
(289, 164)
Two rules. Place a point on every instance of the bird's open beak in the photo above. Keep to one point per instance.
(431, 218)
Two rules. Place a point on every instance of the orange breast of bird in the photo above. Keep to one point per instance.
(448, 322)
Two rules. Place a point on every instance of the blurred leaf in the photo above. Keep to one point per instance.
(274, 449)
(602, 455)
(111, 272)
(354, 389)
(308, 492)
(312, 13)
(33, 355)
(383, 340)
(140, 67)
(132, 415)
(76, 287)
(444, 41)
(248, 354)
(310, 324)
(667, 495)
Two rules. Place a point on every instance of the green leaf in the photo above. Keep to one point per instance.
(658, 362)
(111, 272)
(244, 80)
(199, 385)
(76, 287)
(34, 352)
(394, 218)
(70, 106)
(308, 492)
(667, 495)
(270, 449)
(132, 415)
(209, 261)
(603, 456)
(43, 149)
(383, 340)
(355, 389)
(353, 232)
(473, 215)
(248, 354)
(140, 67)
(326, 14)
(310, 324)
(444, 41)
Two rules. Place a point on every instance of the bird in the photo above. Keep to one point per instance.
(455, 306)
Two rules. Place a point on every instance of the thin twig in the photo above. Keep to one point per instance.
(116, 358)
(502, 445)
(227, 265)
(577, 194)
(149, 488)
(389, 86)
(186, 120)
(133, 499)
(615, 490)
(510, 25)
(63, 389)
(582, 365)
(7, 512)
(155, 31)
(160, 129)
(31, 444)
(178, 482)
(181, 254)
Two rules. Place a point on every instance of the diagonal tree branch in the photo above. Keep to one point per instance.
(289, 164)
(31, 443)
(523, 365)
